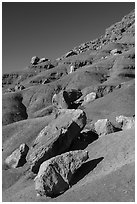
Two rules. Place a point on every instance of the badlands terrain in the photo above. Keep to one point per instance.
(68, 123)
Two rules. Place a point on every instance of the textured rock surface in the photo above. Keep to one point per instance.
(59, 100)
(34, 60)
(125, 122)
(56, 138)
(56, 173)
(71, 69)
(13, 108)
(89, 98)
(104, 126)
(42, 60)
(18, 157)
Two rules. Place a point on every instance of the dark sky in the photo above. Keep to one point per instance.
(51, 29)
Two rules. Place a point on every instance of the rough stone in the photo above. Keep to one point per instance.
(72, 95)
(115, 52)
(34, 60)
(18, 157)
(104, 127)
(71, 69)
(65, 99)
(125, 122)
(89, 98)
(43, 60)
(57, 137)
(55, 174)
(59, 101)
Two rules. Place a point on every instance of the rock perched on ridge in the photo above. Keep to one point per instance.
(125, 122)
(43, 60)
(104, 126)
(56, 173)
(57, 137)
(34, 60)
(71, 53)
(18, 157)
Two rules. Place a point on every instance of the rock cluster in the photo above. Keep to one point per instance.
(57, 137)
(36, 60)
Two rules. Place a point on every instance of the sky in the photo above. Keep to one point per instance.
(50, 29)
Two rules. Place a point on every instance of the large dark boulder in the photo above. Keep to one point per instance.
(13, 108)
(66, 99)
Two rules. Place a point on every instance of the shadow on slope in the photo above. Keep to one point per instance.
(85, 169)
(83, 140)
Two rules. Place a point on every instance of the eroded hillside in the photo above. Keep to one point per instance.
(54, 107)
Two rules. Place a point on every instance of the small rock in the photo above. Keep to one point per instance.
(34, 60)
(125, 122)
(115, 52)
(89, 98)
(71, 69)
(57, 137)
(55, 174)
(104, 126)
(18, 157)
(11, 89)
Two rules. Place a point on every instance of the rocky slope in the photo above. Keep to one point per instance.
(73, 103)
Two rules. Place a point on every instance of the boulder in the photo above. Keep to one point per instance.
(71, 69)
(57, 137)
(104, 127)
(34, 60)
(59, 101)
(72, 95)
(65, 99)
(125, 122)
(42, 60)
(55, 174)
(89, 98)
(18, 157)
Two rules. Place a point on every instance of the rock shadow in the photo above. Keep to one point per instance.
(85, 169)
(83, 140)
